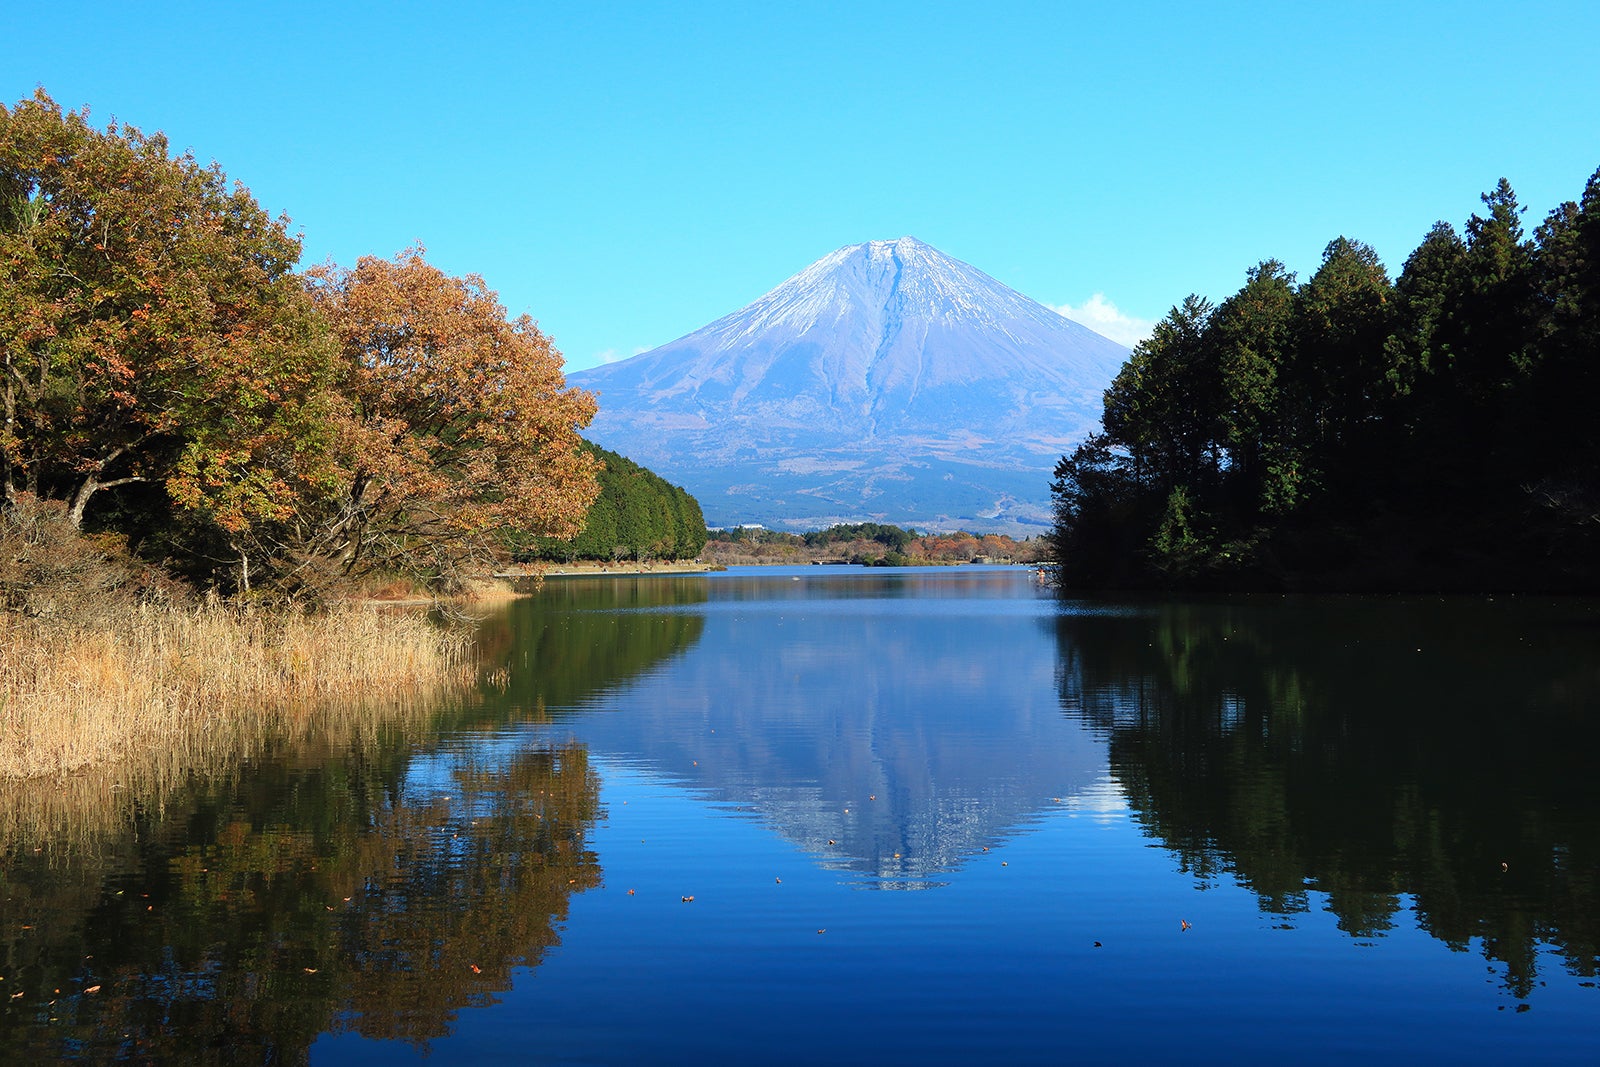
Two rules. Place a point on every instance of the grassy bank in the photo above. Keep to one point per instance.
(179, 687)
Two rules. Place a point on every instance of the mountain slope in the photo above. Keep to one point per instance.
(887, 381)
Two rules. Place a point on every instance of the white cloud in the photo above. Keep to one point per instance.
(604, 356)
(1103, 317)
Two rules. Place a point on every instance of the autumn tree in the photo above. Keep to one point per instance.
(456, 426)
(151, 327)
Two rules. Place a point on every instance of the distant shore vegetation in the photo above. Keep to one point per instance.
(1353, 431)
(867, 544)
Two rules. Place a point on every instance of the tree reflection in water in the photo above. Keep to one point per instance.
(375, 878)
(1367, 752)
(368, 894)
(580, 637)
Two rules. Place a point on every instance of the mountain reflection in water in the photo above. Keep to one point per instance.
(891, 745)
(767, 741)
(1365, 750)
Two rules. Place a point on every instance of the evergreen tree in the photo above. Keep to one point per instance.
(637, 515)
(1337, 379)
(1163, 406)
(1250, 334)
(1434, 431)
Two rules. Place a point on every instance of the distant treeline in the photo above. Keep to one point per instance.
(638, 515)
(892, 537)
(1433, 431)
(868, 544)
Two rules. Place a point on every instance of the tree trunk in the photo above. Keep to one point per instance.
(7, 466)
(80, 500)
(92, 485)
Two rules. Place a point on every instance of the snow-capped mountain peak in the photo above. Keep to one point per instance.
(879, 354)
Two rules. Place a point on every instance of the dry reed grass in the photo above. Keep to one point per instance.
(90, 718)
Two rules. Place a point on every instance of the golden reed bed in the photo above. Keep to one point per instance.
(90, 718)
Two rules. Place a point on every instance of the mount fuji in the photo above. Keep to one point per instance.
(886, 382)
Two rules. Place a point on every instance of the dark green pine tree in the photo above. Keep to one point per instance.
(1250, 334)
(1563, 471)
(1163, 406)
(1337, 382)
(1430, 298)
(637, 515)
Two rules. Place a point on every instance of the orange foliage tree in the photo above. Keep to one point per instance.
(152, 329)
(297, 429)
(455, 426)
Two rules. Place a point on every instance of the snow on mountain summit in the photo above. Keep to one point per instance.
(901, 279)
(882, 356)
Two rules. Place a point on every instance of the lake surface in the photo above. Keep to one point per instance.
(863, 816)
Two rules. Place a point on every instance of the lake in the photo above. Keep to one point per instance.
(852, 815)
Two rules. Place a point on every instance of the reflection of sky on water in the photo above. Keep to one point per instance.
(727, 929)
(892, 725)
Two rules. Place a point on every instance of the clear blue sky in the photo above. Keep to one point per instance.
(627, 172)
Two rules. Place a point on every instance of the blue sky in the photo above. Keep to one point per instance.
(626, 173)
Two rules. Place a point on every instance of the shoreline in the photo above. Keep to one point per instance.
(589, 568)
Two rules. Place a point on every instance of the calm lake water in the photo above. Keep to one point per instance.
(856, 816)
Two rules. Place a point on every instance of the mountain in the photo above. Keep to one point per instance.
(885, 382)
